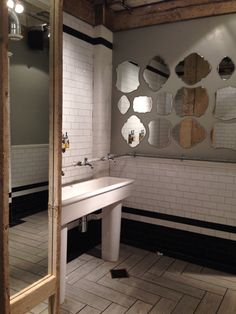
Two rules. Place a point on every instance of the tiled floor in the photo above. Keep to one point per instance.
(157, 284)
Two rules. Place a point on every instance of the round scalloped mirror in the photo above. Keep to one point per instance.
(127, 76)
(156, 73)
(133, 131)
(193, 69)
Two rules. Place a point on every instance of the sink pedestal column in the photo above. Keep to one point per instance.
(111, 221)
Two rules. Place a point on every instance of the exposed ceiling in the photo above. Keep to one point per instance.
(119, 5)
(120, 15)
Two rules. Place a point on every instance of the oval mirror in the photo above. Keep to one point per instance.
(188, 133)
(193, 69)
(142, 104)
(123, 104)
(164, 103)
(29, 123)
(226, 68)
(159, 133)
(156, 73)
(224, 135)
(127, 76)
(191, 101)
(225, 108)
(133, 131)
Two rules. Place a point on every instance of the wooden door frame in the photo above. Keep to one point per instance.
(47, 287)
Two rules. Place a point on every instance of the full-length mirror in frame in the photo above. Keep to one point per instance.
(30, 124)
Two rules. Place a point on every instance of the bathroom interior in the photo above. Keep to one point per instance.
(151, 101)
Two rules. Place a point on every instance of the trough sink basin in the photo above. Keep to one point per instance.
(83, 198)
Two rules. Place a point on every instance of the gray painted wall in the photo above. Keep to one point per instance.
(212, 38)
(29, 94)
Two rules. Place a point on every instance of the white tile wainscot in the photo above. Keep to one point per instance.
(83, 198)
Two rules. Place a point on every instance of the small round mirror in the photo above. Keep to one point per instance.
(226, 68)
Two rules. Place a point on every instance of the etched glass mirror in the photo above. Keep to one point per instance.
(225, 108)
(191, 101)
(164, 103)
(133, 131)
(159, 133)
(156, 73)
(188, 133)
(226, 68)
(127, 76)
(193, 69)
(142, 104)
(29, 149)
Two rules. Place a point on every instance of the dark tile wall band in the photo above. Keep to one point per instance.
(182, 220)
(93, 41)
(29, 186)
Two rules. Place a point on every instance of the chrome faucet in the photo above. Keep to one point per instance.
(87, 163)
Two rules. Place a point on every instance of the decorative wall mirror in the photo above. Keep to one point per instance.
(159, 133)
(224, 135)
(142, 104)
(156, 73)
(34, 240)
(164, 103)
(191, 101)
(133, 131)
(193, 69)
(123, 104)
(127, 79)
(188, 133)
(226, 68)
(225, 108)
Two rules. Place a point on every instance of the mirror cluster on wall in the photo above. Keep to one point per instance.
(188, 103)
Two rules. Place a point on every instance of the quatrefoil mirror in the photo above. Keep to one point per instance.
(188, 133)
(133, 131)
(156, 73)
(191, 101)
(127, 76)
(142, 104)
(193, 69)
(226, 68)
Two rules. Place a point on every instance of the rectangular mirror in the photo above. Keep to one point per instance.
(28, 45)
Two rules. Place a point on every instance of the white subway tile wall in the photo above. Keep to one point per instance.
(86, 115)
(29, 164)
(192, 189)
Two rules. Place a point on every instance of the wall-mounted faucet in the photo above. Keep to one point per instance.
(85, 163)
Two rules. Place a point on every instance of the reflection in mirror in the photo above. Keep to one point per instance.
(133, 131)
(142, 104)
(224, 135)
(226, 68)
(29, 123)
(193, 69)
(191, 101)
(164, 103)
(127, 76)
(123, 104)
(159, 133)
(156, 73)
(188, 133)
(226, 103)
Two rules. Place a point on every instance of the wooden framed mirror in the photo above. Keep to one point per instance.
(47, 286)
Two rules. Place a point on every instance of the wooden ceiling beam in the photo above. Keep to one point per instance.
(170, 11)
(81, 9)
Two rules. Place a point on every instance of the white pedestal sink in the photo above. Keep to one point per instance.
(83, 198)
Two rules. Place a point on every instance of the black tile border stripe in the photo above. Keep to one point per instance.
(93, 41)
(29, 186)
(179, 219)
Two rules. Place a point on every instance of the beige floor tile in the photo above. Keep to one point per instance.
(164, 306)
(186, 305)
(139, 308)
